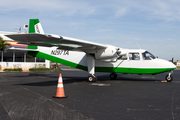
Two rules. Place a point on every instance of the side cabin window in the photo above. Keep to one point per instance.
(134, 56)
(123, 57)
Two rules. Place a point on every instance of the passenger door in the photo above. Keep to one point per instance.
(135, 63)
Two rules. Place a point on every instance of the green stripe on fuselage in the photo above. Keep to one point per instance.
(101, 69)
(133, 70)
(58, 60)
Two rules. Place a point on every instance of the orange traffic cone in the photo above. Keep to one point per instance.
(60, 88)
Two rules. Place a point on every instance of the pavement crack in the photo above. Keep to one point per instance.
(6, 110)
(45, 99)
(3, 78)
(172, 105)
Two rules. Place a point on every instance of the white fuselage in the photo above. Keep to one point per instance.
(131, 61)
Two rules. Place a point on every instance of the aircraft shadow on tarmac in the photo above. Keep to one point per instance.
(138, 79)
(44, 83)
(37, 75)
(101, 78)
(131, 79)
(53, 82)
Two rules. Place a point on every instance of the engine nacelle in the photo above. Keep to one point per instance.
(108, 54)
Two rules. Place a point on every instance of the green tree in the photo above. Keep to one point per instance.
(3, 45)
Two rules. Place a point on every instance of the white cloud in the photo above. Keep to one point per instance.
(155, 9)
(117, 22)
(67, 8)
(170, 39)
(121, 12)
(103, 30)
(162, 9)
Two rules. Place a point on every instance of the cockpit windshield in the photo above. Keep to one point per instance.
(148, 56)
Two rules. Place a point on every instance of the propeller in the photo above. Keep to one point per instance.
(118, 51)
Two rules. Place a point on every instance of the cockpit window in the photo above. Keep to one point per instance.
(148, 56)
(134, 56)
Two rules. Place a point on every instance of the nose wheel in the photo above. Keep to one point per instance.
(169, 77)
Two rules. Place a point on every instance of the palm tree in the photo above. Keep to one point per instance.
(3, 46)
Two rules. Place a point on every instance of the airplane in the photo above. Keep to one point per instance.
(90, 56)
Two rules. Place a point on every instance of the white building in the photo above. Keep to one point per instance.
(16, 58)
(178, 63)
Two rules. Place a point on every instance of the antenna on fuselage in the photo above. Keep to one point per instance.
(138, 45)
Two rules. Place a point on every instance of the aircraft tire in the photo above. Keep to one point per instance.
(113, 75)
(92, 78)
(169, 78)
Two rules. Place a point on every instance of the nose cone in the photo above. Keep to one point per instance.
(171, 65)
(165, 64)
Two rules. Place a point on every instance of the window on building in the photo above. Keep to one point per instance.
(40, 59)
(134, 56)
(30, 58)
(0, 56)
(8, 56)
(19, 56)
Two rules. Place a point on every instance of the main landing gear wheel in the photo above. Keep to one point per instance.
(169, 78)
(113, 75)
(92, 78)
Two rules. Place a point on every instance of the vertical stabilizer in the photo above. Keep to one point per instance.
(35, 26)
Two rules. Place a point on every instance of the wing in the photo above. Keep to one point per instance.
(3, 33)
(62, 42)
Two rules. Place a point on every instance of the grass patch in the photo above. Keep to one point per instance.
(43, 69)
(178, 67)
(39, 69)
(12, 70)
(57, 69)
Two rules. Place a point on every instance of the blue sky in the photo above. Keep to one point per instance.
(153, 24)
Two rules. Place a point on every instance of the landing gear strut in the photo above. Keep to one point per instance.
(169, 77)
(91, 68)
(113, 76)
(92, 78)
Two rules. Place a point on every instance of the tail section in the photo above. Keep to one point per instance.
(35, 26)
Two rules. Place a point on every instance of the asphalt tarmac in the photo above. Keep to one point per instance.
(29, 96)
